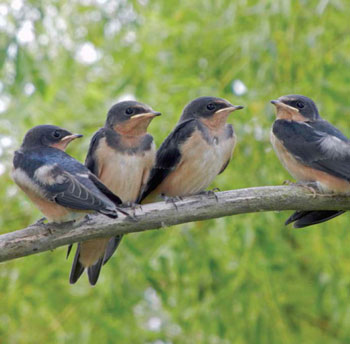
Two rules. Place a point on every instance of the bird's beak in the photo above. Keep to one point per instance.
(281, 105)
(230, 109)
(70, 138)
(145, 115)
(63, 143)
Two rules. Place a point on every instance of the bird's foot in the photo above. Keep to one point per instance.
(172, 200)
(133, 205)
(210, 193)
(87, 218)
(39, 222)
(310, 186)
(84, 220)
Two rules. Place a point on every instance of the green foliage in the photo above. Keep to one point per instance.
(244, 279)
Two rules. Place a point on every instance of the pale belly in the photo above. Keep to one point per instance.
(197, 170)
(294, 167)
(125, 174)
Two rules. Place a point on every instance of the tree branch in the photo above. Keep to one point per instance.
(44, 237)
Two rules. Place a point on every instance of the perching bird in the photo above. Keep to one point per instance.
(62, 188)
(195, 152)
(121, 154)
(312, 150)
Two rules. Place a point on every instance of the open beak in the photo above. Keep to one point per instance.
(230, 109)
(70, 138)
(145, 115)
(281, 105)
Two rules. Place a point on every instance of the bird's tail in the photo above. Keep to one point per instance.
(93, 271)
(77, 267)
(92, 255)
(112, 246)
(308, 218)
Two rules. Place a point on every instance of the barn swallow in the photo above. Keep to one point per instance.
(195, 152)
(62, 188)
(312, 150)
(121, 155)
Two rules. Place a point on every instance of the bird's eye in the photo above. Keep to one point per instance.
(210, 106)
(300, 105)
(56, 134)
(129, 111)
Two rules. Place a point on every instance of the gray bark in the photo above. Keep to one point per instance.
(38, 238)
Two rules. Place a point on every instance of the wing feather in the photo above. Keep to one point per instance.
(317, 145)
(73, 191)
(168, 156)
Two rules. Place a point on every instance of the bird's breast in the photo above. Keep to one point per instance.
(201, 161)
(289, 162)
(124, 173)
(301, 172)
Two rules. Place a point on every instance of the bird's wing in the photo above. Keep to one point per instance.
(230, 133)
(168, 155)
(103, 188)
(90, 160)
(72, 191)
(316, 144)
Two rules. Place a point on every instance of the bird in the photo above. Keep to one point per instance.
(312, 150)
(62, 188)
(195, 152)
(121, 155)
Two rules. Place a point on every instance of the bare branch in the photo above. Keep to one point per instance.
(39, 238)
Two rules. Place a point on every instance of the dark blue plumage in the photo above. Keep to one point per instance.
(195, 152)
(121, 154)
(315, 145)
(169, 155)
(70, 172)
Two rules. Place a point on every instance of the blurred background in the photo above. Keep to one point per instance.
(242, 279)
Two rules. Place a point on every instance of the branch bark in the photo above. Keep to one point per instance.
(39, 238)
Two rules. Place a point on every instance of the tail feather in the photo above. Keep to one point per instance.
(94, 271)
(68, 250)
(77, 267)
(112, 246)
(296, 216)
(303, 219)
(112, 213)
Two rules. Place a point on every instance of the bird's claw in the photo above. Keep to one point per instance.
(172, 200)
(134, 206)
(87, 218)
(39, 222)
(211, 193)
(310, 186)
